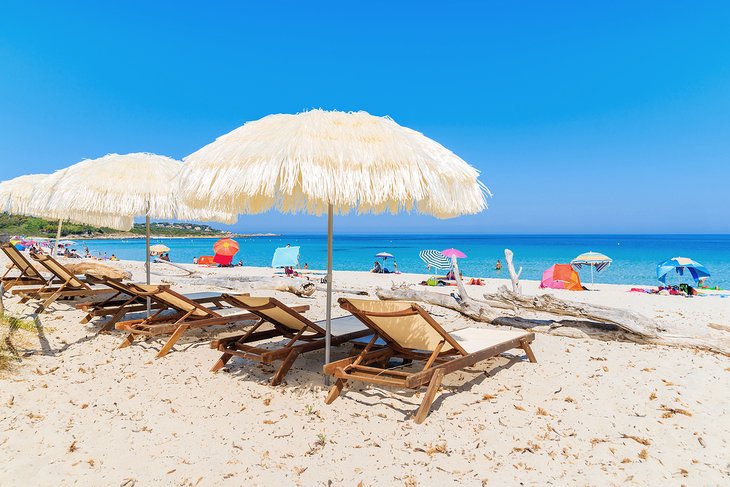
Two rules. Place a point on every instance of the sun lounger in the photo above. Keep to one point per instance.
(128, 300)
(27, 274)
(186, 314)
(303, 334)
(409, 332)
(63, 285)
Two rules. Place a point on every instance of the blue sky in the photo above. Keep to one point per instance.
(583, 117)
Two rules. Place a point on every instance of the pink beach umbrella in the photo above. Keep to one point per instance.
(454, 253)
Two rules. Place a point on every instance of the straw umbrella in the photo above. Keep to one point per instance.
(127, 185)
(24, 196)
(330, 162)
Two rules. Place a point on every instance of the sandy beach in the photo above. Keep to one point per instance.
(78, 411)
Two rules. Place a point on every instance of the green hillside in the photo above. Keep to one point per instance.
(38, 227)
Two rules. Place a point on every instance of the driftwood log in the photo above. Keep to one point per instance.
(546, 303)
(345, 290)
(479, 310)
(514, 276)
(592, 321)
(294, 285)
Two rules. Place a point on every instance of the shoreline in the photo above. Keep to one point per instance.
(117, 236)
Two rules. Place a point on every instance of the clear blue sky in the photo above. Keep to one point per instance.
(583, 117)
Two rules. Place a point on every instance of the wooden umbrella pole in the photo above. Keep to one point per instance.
(58, 237)
(328, 327)
(147, 257)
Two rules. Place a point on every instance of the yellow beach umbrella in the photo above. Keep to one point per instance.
(330, 162)
(159, 248)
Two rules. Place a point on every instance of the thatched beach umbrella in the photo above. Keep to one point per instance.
(330, 162)
(27, 195)
(126, 185)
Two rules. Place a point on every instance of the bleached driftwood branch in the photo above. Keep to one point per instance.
(294, 285)
(468, 307)
(627, 320)
(345, 290)
(482, 311)
(514, 276)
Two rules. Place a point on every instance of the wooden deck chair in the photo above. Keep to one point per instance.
(186, 314)
(27, 274)
(409, 332)
(64, 284)
(303, 334)
(128, 300)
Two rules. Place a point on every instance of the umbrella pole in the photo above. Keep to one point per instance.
(147, 257)
(58, 237)
(328, 327)
(591, 276)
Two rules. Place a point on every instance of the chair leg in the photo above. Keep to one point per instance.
(172, 341)
(48, 302)
(428, 398)
(528, 350)
(221, 362)
(113, 320)
(335, 391)
(284, 368)
(127, 341)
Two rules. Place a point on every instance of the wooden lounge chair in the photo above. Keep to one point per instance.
(63, 285)
(303, 334)
(27, 274)
(186, 314)
(409, 332)
(128, 300)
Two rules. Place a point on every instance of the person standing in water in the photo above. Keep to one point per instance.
(498, 266)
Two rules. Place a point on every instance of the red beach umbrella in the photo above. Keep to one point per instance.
(226, 247)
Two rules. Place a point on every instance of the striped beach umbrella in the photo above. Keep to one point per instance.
(434, 258)
(594, 260)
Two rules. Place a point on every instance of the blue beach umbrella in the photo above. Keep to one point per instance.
(285, 257)
(679, 265)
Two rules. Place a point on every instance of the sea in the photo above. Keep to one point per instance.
(635, 257)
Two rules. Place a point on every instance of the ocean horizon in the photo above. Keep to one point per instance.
(635, 256)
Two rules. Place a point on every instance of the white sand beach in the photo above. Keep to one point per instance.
(78, 411)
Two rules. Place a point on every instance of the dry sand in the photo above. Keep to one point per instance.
(590, 412)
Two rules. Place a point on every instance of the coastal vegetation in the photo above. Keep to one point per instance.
(39, 227)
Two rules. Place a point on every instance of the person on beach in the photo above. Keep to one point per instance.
(306, 266)
(395, 267)
(376, 268)
(195, 260)
(113, 258)
(498, 266)
(290, 272)
(165, 257)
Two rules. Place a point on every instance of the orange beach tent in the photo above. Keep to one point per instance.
(561, 276)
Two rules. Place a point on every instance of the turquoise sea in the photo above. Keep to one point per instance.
(634, 256)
